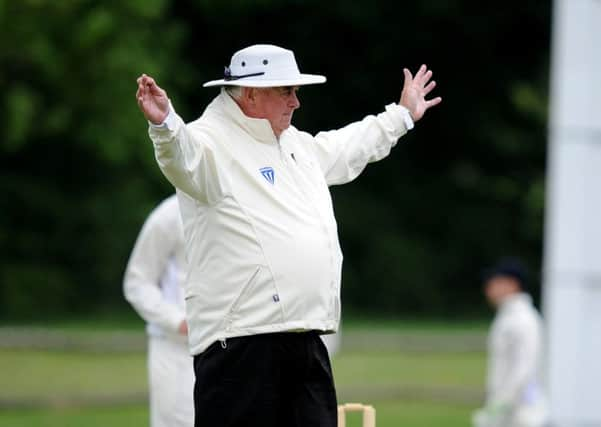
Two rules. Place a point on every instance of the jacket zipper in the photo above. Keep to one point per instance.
(293, 169)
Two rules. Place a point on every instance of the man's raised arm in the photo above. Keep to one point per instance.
(344, 153)
(180, 154)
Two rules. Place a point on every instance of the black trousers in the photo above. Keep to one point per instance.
(269, 380)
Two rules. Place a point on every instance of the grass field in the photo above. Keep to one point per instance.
(408, 374)
(416, 414)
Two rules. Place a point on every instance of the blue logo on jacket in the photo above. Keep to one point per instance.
(268, 174)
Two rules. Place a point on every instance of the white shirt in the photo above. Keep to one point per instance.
(155, 271)
(261, 237)
(515, 354)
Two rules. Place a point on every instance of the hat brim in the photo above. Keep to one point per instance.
(302, 80)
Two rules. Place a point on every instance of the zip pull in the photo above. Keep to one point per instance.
(223, 344)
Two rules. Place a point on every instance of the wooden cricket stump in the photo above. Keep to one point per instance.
(369, 413)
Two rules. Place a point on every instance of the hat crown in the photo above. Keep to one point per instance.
(275, 62)
(264, 65)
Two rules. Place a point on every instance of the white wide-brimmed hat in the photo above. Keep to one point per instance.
(264, 65)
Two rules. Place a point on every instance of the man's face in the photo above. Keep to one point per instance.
(498, 288)
(277, 104)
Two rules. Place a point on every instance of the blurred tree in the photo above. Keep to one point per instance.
(464, 187)
(77, 172)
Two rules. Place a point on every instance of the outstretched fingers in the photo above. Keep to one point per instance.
(424, 76)
(408, 77)
(419, 76)
(415, 90)
(429, 87)
(433, 102)
(427, 77)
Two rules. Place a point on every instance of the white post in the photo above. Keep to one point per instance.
(572, 270)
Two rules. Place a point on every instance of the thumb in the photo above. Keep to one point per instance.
(408, 77)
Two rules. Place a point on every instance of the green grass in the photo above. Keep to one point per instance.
(60, 376)
(44, 388)
(63, 376)
(410, 414)
(415, 369)
(113, 416)
(415, 325)
(416, 414)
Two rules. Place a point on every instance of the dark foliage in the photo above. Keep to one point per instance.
(466, 186)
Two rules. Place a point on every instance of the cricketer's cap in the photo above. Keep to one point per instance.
(510, 267)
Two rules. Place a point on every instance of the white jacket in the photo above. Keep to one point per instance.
(155, 271)
(515, 355)
(261, 237)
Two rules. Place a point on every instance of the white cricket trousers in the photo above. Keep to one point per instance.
(171, 383)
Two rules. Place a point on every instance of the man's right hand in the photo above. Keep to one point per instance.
(152, 100)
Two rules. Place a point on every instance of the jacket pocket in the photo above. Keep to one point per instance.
(246, 289)
(257, 303)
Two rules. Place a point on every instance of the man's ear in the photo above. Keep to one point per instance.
(249, 94)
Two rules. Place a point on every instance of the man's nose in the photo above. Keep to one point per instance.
(293, 101)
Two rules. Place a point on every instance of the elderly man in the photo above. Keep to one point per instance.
(261, 238)
(515, 397)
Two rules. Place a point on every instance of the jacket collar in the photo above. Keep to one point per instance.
(258, 129)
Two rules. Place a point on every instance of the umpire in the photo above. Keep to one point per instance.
(261, 238)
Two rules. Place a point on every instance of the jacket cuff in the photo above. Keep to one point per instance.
(169, 123)
(400, 114)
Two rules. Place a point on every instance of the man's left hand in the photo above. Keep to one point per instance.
(415, 90)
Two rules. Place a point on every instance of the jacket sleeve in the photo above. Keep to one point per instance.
(185, 157)
(522, 354)
(344, 153)
(153, 249)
